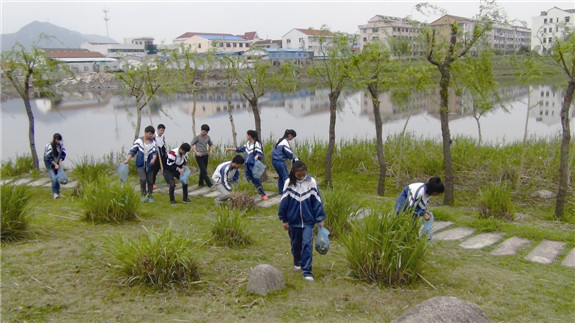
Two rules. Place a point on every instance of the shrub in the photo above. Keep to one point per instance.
(158, 259)
(384, 249)
(15, 201)
(241, 197)
(110, 201)
(339, 207)
(495, 201)
(22, 165)
(229, 230)
(89, 171)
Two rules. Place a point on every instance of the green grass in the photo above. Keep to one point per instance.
(15, 207)
(107, 200)
(20, 166)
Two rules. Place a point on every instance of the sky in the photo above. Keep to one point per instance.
(166, 20)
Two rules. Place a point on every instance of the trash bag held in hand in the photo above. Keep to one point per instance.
(123, 171)
(258, 169)
(185, 177)
(61, 176)
(322, 240)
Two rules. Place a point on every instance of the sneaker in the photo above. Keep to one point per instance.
(154, 186)
(55, 196)
(173, 202)
(186, 200)
(308, 278)
(296, 268)
(264, 197)
(150, 200)
(60, 196)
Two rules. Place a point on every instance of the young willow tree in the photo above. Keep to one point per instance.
(446, 42)
(333, 72)
(563, 52)
(31, 73)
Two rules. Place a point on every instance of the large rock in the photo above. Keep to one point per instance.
(265, 279)
(444, 309)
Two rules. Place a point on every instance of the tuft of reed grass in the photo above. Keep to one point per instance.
(107, 200)
(339, 208)
(385, 248)
(229, 228)
(21, 165)
(495, 201)
(157, 259)
(14, 201)
(89, 171)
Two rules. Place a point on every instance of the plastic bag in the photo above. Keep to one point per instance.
(123, 171)
(185, 177)
(322, 240)
(258, 169)
(61, 176)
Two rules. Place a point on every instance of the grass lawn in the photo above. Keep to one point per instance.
(62, 272)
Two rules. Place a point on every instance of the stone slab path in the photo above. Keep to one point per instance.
(545, 252)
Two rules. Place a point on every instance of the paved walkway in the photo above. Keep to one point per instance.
(546, 252)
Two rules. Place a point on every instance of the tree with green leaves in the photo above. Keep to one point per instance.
(31, 73)
(334, 73)
(445, 44)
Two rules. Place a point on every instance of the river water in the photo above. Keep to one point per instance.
(95, 124)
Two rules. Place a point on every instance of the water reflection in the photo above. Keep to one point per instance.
(99, 123)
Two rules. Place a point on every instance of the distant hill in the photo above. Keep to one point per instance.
(59, 37)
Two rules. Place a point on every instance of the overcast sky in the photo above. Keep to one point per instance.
(167, 20)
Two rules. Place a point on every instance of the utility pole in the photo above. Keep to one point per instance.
(106, 19)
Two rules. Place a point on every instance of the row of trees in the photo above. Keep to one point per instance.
(455, 55)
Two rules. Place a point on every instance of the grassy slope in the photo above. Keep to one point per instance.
(60, 273)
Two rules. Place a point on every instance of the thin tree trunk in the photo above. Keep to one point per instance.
(379, 139)
(231, 117)
(478, 131)
(31, 131)
(257, 118)
(138, 120)
(194, 115)
(564, 157)
(444, 116)
(333, 96)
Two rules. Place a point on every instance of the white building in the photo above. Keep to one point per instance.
(391, 30)
(546, 102)
(203, 42)
(115, 50)
(549, 26)
(308, 39)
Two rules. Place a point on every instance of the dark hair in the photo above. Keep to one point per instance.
(298, 165)
(55, 137)
(161, 126)
(238, 159)
(149, 129)
(254, 135)
(286, 134)
(185, 147)
(434, 185)
(205, 127)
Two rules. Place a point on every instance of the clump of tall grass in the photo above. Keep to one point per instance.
(21, 165)
(242, 196)
(107, 200)
(495, 201)
(89, 171)
(229, 229)
(385, 248)
(157, 259)
(339, 208)
(15, 200)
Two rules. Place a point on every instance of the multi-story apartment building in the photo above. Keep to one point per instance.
(309, 39)
(550, 25)
(392, 31)
(147, 42)
(546, 102)
(203, 42)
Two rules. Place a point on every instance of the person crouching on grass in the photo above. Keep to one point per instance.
(300, 210)
(226, 175)
(144, 149)
(414, 199)
(177, 159)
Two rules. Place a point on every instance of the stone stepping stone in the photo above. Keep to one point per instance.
(437, 225)
(213, 194)
(270, 202)
(5, 181)
(39, 182)
(546, 252)
(201, 191)
(22, 181)
(70, 184)
(510, 246)
(481, 240)
(453, 234)
(569, 261)
(258, 199)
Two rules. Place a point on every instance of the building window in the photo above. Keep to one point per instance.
(545, 20)
(241, 44)
(199, 45)
(375, 30)
(567, 19)
(228, 45)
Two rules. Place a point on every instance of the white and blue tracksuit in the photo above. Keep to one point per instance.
(144, 153)
(51, 155)
(280, 154)
(174, 161)
(251, 150)
(224, 177)
(301, 208)
(414, 197)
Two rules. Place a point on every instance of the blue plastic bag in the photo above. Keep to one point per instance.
(258, 169)
(61, 176)
(123, 171)
(322, 240)
(185, 177)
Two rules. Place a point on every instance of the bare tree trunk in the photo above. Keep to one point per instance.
(138, 120)
(194, 116)
(379, 139)
(31, 131)
(257, 118)
(444, 116)
(564, 157)
(478, 131)
(333, 96)
(231, 117)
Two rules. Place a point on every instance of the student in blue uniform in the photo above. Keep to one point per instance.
(282, 152)
(252, 151)
(54, 155)
(144, 149)
(177, 159)
(226, 175)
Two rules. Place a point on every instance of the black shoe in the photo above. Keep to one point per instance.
(173, 202)
(186, 200)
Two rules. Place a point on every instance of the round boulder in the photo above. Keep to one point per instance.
(444, 309)
(265, 279)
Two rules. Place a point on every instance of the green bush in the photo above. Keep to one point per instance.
(110, 201)
(495, 201)
(15, 200)
(384, 249)
(158, 259)
(339, 207)
(89, 171)
(229, 229)
(22, 165)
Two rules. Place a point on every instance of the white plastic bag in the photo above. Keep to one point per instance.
(258, 169)
(322, 240)
(123, 171)
(185, 177)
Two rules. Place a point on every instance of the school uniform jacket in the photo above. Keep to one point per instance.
(415, 196)
(301, 203)
(50, 157)
(176, 160)
(282, 151)
(226, 175)
(250, 151)
(138, 150)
